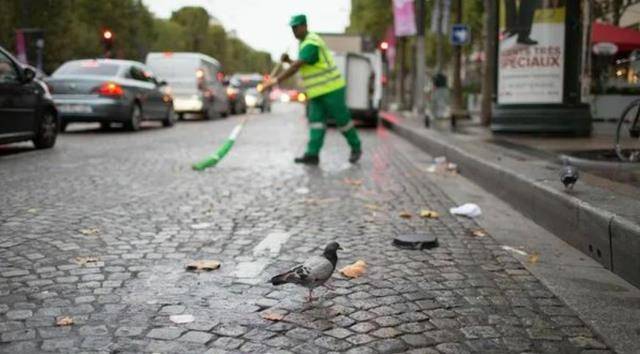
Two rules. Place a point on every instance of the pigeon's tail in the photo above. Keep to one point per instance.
(281, 279)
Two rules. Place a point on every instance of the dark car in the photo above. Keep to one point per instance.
(26, 109)
(247, 84)
(107, 91)
(236, 98)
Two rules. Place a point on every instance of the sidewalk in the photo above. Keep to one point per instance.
(599, 217)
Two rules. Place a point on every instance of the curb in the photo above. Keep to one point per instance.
(611, 239)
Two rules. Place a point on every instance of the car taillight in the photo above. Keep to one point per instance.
(110, 89)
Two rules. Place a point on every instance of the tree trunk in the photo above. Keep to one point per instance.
(488, 65)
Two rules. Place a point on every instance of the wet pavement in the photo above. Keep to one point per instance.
(100, 229)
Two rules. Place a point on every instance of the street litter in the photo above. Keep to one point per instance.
(64, 321)
(85, 260)
(533, 258)
(32, 210)
(91, 231)
(478, 233)
(203, 265)
(272, 316)
(354, 270)
(405, 215)
(441, 166)
(182, 319)
(352, 182)
(429, 214)
(302, 190)
(515, 250)
(372, 206)
(469, 210)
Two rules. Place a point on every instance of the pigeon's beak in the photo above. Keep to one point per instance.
(340, 248)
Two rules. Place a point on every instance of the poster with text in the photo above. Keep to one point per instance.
(531, 51)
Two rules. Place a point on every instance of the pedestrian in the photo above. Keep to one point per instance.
(325, 88)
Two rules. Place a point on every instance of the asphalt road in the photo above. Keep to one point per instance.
(100, 228)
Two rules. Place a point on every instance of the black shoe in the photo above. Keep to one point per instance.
(307, 159)
(355, 156)
(527, 41)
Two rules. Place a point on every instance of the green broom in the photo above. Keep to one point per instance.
(214, 158)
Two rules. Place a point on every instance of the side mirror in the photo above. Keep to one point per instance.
(28, 74)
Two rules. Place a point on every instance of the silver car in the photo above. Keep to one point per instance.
(107, 90)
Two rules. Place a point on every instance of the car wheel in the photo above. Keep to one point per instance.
(105, 125)
(170, 118)
(63, 126)
(134, 118)
(180, 116)
(47, 130)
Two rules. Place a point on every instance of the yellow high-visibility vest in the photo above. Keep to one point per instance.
(323, 76)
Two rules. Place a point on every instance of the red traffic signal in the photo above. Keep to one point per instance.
(107, 35)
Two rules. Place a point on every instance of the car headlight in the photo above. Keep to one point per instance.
(250, 100)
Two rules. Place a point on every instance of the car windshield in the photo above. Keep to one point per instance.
(174, 68)
(89, 67)
(246, 81)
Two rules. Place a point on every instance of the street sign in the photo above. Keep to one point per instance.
(460, 34)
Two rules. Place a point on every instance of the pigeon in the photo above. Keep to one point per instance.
(569, 174)
(314, 272)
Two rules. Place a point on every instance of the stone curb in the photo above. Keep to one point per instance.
(611, 239)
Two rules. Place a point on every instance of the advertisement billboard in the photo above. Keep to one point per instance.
(404, 20)
(531, 51)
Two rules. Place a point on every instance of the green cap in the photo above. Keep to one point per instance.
(298, 20)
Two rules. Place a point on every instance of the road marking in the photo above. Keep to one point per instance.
(514, 250)
(273, 242)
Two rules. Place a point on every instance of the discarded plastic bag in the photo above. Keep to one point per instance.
(469, 210)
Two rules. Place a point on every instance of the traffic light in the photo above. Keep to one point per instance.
(107, 42)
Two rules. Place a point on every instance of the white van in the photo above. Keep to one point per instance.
(363, 72)
(195, 80)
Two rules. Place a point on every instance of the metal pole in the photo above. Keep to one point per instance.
(457, 110)
(420, 62)
(488, 65)
(439, 4)
(400, 72)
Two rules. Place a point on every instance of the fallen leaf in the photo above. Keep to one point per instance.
(429, 214)
(203, 265)
(354, 270)
(352, 182)
(272, 316)
(32, 210)
(64, 321)
(372, 206)
(533, 258)
(478, 233)
(90, 231)
(405, 215)
(182, 318)
(85, 260)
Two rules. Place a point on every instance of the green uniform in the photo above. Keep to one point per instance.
(325, 88)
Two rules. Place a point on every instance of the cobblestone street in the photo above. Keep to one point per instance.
(100, 229)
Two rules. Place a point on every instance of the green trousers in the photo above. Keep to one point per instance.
(333, 105)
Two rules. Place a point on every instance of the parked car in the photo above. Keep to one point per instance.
(248, 84)
(236, 98)
(107, 90)
(196, 83)
(27, 111)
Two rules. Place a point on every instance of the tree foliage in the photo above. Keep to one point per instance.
(73, 29)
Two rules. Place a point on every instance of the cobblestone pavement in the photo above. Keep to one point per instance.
(100, 228)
